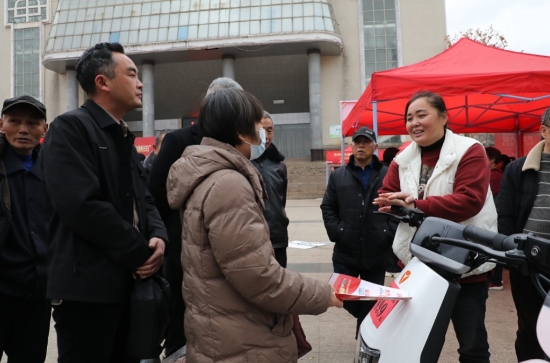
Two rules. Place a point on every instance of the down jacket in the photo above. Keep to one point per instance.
(238, 298)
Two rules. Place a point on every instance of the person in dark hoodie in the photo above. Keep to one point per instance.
(363, 239)
(273, 170)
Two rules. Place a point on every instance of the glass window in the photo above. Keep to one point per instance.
(165, 7)
(244, 28)
(214, 16)
(193, 18)
(183, 32)
(297, 10)
(123, 38)
(287, 25)
(297, 25)
(203, 31)
(172, 33)
(223, 30)
(155, 7)
(309, 24)
(245, 14)
(115, 37)
(26, 59)
(154, 23)
(233, 29)
(27, 11)
(255, 27)
(193, 30)
(380, 40)
(117, 12)
(255, 13)
(203, 17)
(143, 35)
(153, 35)
(224, 16)
(213, 31)
(184, 19)
(286, 11)
(163, 34)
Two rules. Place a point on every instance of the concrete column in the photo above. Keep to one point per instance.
(72, 89)
(316, 124)
(148, 98)
(229, 66)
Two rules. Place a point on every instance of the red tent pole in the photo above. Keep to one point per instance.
(519, 137)
(343, 141)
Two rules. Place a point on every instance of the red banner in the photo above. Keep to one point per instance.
(144, 145)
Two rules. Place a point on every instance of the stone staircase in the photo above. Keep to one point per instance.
(306, 179)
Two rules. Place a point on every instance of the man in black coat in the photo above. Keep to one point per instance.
(105, 228)
(24, 310)
(523, 208)
(173, 146)
(273, 170)
(362, 238)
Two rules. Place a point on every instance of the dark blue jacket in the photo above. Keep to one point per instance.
(363, 239)
(24, 218)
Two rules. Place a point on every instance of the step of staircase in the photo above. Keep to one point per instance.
(306, 179)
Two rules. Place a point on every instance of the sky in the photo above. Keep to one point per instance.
(525, 24)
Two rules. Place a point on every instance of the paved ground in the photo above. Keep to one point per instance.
(332, 334)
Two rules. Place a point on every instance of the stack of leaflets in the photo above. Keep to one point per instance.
(353, 288)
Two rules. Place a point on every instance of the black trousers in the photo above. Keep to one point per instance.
(528, 305)
(469, 323)
(24, 329)
(92, 332)
(360, 309)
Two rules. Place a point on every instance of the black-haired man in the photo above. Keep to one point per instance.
(105, 228)
(24, 309)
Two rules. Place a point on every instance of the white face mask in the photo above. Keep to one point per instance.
(257, 150)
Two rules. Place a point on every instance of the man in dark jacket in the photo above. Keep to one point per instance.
(523, 208)
(24, 309)
(173, 146)
(273, 170)
(105, 227)
(363, 239)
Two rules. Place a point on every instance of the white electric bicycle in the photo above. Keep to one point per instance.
(413, 331)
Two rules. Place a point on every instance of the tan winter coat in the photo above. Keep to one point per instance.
(237, 296)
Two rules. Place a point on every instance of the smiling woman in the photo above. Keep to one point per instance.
(447, 176)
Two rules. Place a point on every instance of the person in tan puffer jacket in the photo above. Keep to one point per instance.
(238, 298)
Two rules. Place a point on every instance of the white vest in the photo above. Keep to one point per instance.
(440, 183)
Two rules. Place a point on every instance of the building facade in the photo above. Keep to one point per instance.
(299, 57)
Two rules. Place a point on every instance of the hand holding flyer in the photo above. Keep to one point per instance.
(353, 288)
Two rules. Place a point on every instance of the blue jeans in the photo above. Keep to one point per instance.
(469, 323)
(360, 309)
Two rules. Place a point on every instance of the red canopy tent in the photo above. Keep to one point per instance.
(486, 90)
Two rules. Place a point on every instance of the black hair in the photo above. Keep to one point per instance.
(434, 99)
(94, 61)
(228, 112)
(505, 160)
(389, 154)
(493, 154)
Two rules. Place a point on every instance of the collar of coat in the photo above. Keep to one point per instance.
(447, 155)
(376, 163)
(201, 161)
(271, 153)
(532, 161)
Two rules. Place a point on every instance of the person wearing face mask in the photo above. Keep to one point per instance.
(273, 171)
(362, 239)
(238, 298)
(447, 176)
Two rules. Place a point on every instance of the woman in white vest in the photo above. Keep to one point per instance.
(444, 175)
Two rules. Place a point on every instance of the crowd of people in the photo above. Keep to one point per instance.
(81, 217)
